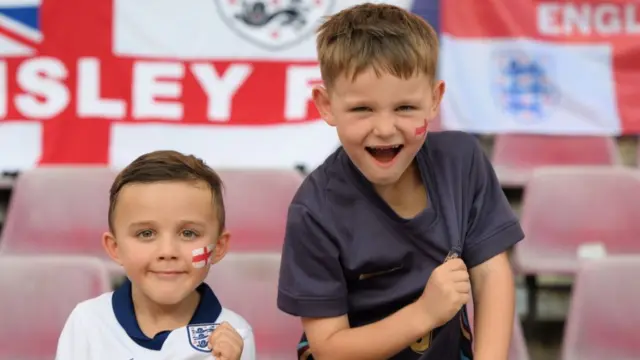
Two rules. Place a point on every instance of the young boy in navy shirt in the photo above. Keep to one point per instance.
(166, 229)
(386, 239)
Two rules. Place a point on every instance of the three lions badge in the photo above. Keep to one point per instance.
(199, 336)
(274, 25)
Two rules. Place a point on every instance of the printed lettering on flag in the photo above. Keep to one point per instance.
(101, 82)
(551, 67)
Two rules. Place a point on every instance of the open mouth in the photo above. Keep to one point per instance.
(385, 153)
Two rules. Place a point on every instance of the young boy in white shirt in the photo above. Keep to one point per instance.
(166, 228)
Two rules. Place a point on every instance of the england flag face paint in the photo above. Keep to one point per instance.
(202, 257)
(422, 130)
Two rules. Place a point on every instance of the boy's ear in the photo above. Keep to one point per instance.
(110, 246)
(222, 246)
(436, 98)
(323, 103)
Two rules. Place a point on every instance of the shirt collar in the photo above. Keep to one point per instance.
(207, 312)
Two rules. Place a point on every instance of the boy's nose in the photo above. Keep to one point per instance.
(167, 248)
(384, 126)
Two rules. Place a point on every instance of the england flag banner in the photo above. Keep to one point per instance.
(103, 81)
(547, 67)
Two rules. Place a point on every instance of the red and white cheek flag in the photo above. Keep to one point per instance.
(103, 81)
(202, 257)
(549, 67)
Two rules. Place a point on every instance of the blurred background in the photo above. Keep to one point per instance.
(550, 88)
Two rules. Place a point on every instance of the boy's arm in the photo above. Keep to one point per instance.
(445, 293)
(492, 228)
(332, 338)
(494, 307)
(72, 344)
(312, 286)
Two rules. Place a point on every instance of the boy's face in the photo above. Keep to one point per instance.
(156, 228)
(381, 121)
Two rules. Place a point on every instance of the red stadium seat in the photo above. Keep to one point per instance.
(518, 349)
(515, 156)
(257, 202)
(38, 294)
(247, 283)
(58, 211)
(572, 213)
(603, 317)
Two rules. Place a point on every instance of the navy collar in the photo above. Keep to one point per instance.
(207, 312)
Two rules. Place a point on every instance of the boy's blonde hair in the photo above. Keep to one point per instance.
(383, 37)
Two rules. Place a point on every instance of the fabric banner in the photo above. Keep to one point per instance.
(547, 67)
(103, 81)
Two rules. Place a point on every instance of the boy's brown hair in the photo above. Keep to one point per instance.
(168, 165)
(381, 36)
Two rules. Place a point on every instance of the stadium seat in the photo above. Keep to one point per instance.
(603, 316)
(515, 156)
(5, 182)
(574, 213)
(518, 349)
(58, 210)
(247, 283)
(38, 294)
(257, 202)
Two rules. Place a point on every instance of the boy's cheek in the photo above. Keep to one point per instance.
(134, 254)
(202, 256)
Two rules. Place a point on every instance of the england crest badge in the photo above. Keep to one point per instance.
(524, 86)
(274, 25)
(199, 336)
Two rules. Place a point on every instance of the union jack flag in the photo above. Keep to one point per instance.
(20, 33)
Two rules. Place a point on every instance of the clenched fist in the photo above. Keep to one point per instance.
(225, 343)
(447, 290)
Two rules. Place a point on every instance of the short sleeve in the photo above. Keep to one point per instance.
(72, 343)
(312, 282)
(492, 226)
(249, 348)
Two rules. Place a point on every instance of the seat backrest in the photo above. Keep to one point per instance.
(603, 316)
(531, 150)
(518, 348)
(564, 208)
(37, 295)
(247, 283)
(257, 202)
(58, 210)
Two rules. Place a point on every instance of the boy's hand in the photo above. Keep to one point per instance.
(225, 343)
(447, 290)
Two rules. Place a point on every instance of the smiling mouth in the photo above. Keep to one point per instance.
(168, 273)
(385, 153)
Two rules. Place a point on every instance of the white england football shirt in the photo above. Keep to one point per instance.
(105, 328)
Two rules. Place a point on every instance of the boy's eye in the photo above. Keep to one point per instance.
(360, 109)
(406, 108)
(145, 234)
(189, 234)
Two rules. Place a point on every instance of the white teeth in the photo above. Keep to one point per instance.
(386, 147)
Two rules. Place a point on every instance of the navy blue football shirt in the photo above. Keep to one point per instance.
(347, 252)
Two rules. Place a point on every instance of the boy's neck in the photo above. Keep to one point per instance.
(407, 196)
(154, 318)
